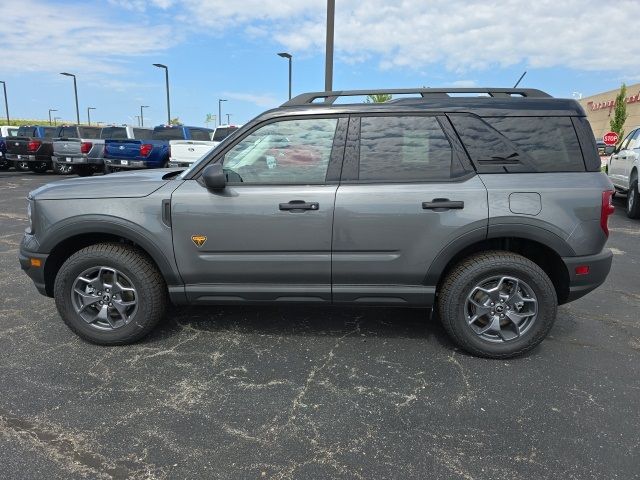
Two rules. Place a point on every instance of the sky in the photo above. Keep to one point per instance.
(228, 49)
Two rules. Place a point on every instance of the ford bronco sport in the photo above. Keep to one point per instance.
(490, 208)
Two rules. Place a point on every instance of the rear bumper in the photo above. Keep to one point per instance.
(178, 163)
(112, 162)
(36, 274)
(599, 267)
(21, 158)
(77, 160)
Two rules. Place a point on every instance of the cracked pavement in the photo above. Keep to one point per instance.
(308, 392)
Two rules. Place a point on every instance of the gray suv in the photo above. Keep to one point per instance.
(489, 208)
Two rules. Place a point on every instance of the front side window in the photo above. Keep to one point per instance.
(285, 152)
(635, 140)
(403, 149)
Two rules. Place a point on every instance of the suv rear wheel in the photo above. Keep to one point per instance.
(497, 304)
(633, 201)
(110, 294)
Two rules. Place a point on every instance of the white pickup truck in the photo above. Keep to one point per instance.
(623, 167)
(185, 152)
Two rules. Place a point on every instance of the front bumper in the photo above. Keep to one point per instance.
(28, 251)
(599, 266)
(78, 160)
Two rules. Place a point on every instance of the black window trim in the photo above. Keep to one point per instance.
(351, 163)
(335, 158)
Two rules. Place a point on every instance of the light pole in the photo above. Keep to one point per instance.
(6, 103)
(75, 91)
(142, 114)
(166, 76)
(228, 118)
(55, 120)
(220, 100)
(51, 110)
(89, 114)
(138, 118)
(328, 69)
(290, 58)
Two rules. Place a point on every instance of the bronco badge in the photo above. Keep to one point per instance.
(199, 239)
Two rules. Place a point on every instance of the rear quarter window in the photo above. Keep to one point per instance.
(551, 142)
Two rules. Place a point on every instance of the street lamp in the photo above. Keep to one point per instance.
(166, 74)
(142, 114)
(228, 121)
(220, 100)
(290, 58)
(6, 104)
(75, 91)
(55, 120)
(138, 118)
(89, 114)
(328, 69)
(51, 110)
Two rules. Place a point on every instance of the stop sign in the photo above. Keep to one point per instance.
(610, 138)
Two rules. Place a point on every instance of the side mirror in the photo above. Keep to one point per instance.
(213, 177)
(609, 149)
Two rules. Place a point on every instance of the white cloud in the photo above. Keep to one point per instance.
(42, 37)
(261, 100)
(462, 35)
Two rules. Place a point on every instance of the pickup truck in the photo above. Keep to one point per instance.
(185, 152)
(82, 148)
(154, 152)
(75, 145)
(5, 133)
(32, 148)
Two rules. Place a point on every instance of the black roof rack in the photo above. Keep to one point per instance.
(328, 98)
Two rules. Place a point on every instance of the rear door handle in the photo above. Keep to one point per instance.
(442, 204)
(294, 205)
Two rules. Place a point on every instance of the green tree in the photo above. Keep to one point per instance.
(175, 121)
(378, 98)
(211, 118)
(619, 113)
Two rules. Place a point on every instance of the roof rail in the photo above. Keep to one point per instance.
(330, 97)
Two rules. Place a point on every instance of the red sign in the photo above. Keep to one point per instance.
(610, 138)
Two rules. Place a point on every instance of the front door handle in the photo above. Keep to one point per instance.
(295, 205)
(441, 204)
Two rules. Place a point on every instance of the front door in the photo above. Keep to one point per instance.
(267, 235)
(404, 196)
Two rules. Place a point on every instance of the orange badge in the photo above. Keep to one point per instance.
(199, 240)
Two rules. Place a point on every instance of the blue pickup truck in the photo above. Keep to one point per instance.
(147, 153)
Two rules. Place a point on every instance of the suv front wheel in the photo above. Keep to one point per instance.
(110, 294)
(497, 304)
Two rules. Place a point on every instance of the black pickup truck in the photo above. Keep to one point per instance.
(32, 148)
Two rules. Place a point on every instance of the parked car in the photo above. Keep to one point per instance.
(623, 167)
(184, 152)
(152, 152)
(74, 147)
(85, 154)
(6, 132)
(493, 211)
(32, 148)
(223, 131)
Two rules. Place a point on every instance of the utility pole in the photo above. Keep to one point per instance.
(328, 69)
(290, 58)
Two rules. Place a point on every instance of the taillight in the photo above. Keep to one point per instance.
(145, 149)
(606, 210)
(85, 147)
(33, 145)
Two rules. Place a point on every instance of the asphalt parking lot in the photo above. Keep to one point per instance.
(315, 393)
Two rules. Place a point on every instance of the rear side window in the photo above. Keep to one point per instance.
(142, 133)
(551, 142)
(198, 134)
(89, 132)
(403, 149)
(168, 133)
(113, 133)
(68, 132)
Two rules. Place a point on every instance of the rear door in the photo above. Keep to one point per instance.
(267, 235)
(406, 193)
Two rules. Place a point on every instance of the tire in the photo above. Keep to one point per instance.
(22, 166)
(633, 201)
(39, 167)
(489, 270)
(85, 170)
(62, 168)
(78, 301)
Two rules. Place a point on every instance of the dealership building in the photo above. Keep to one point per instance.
(600, 109)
